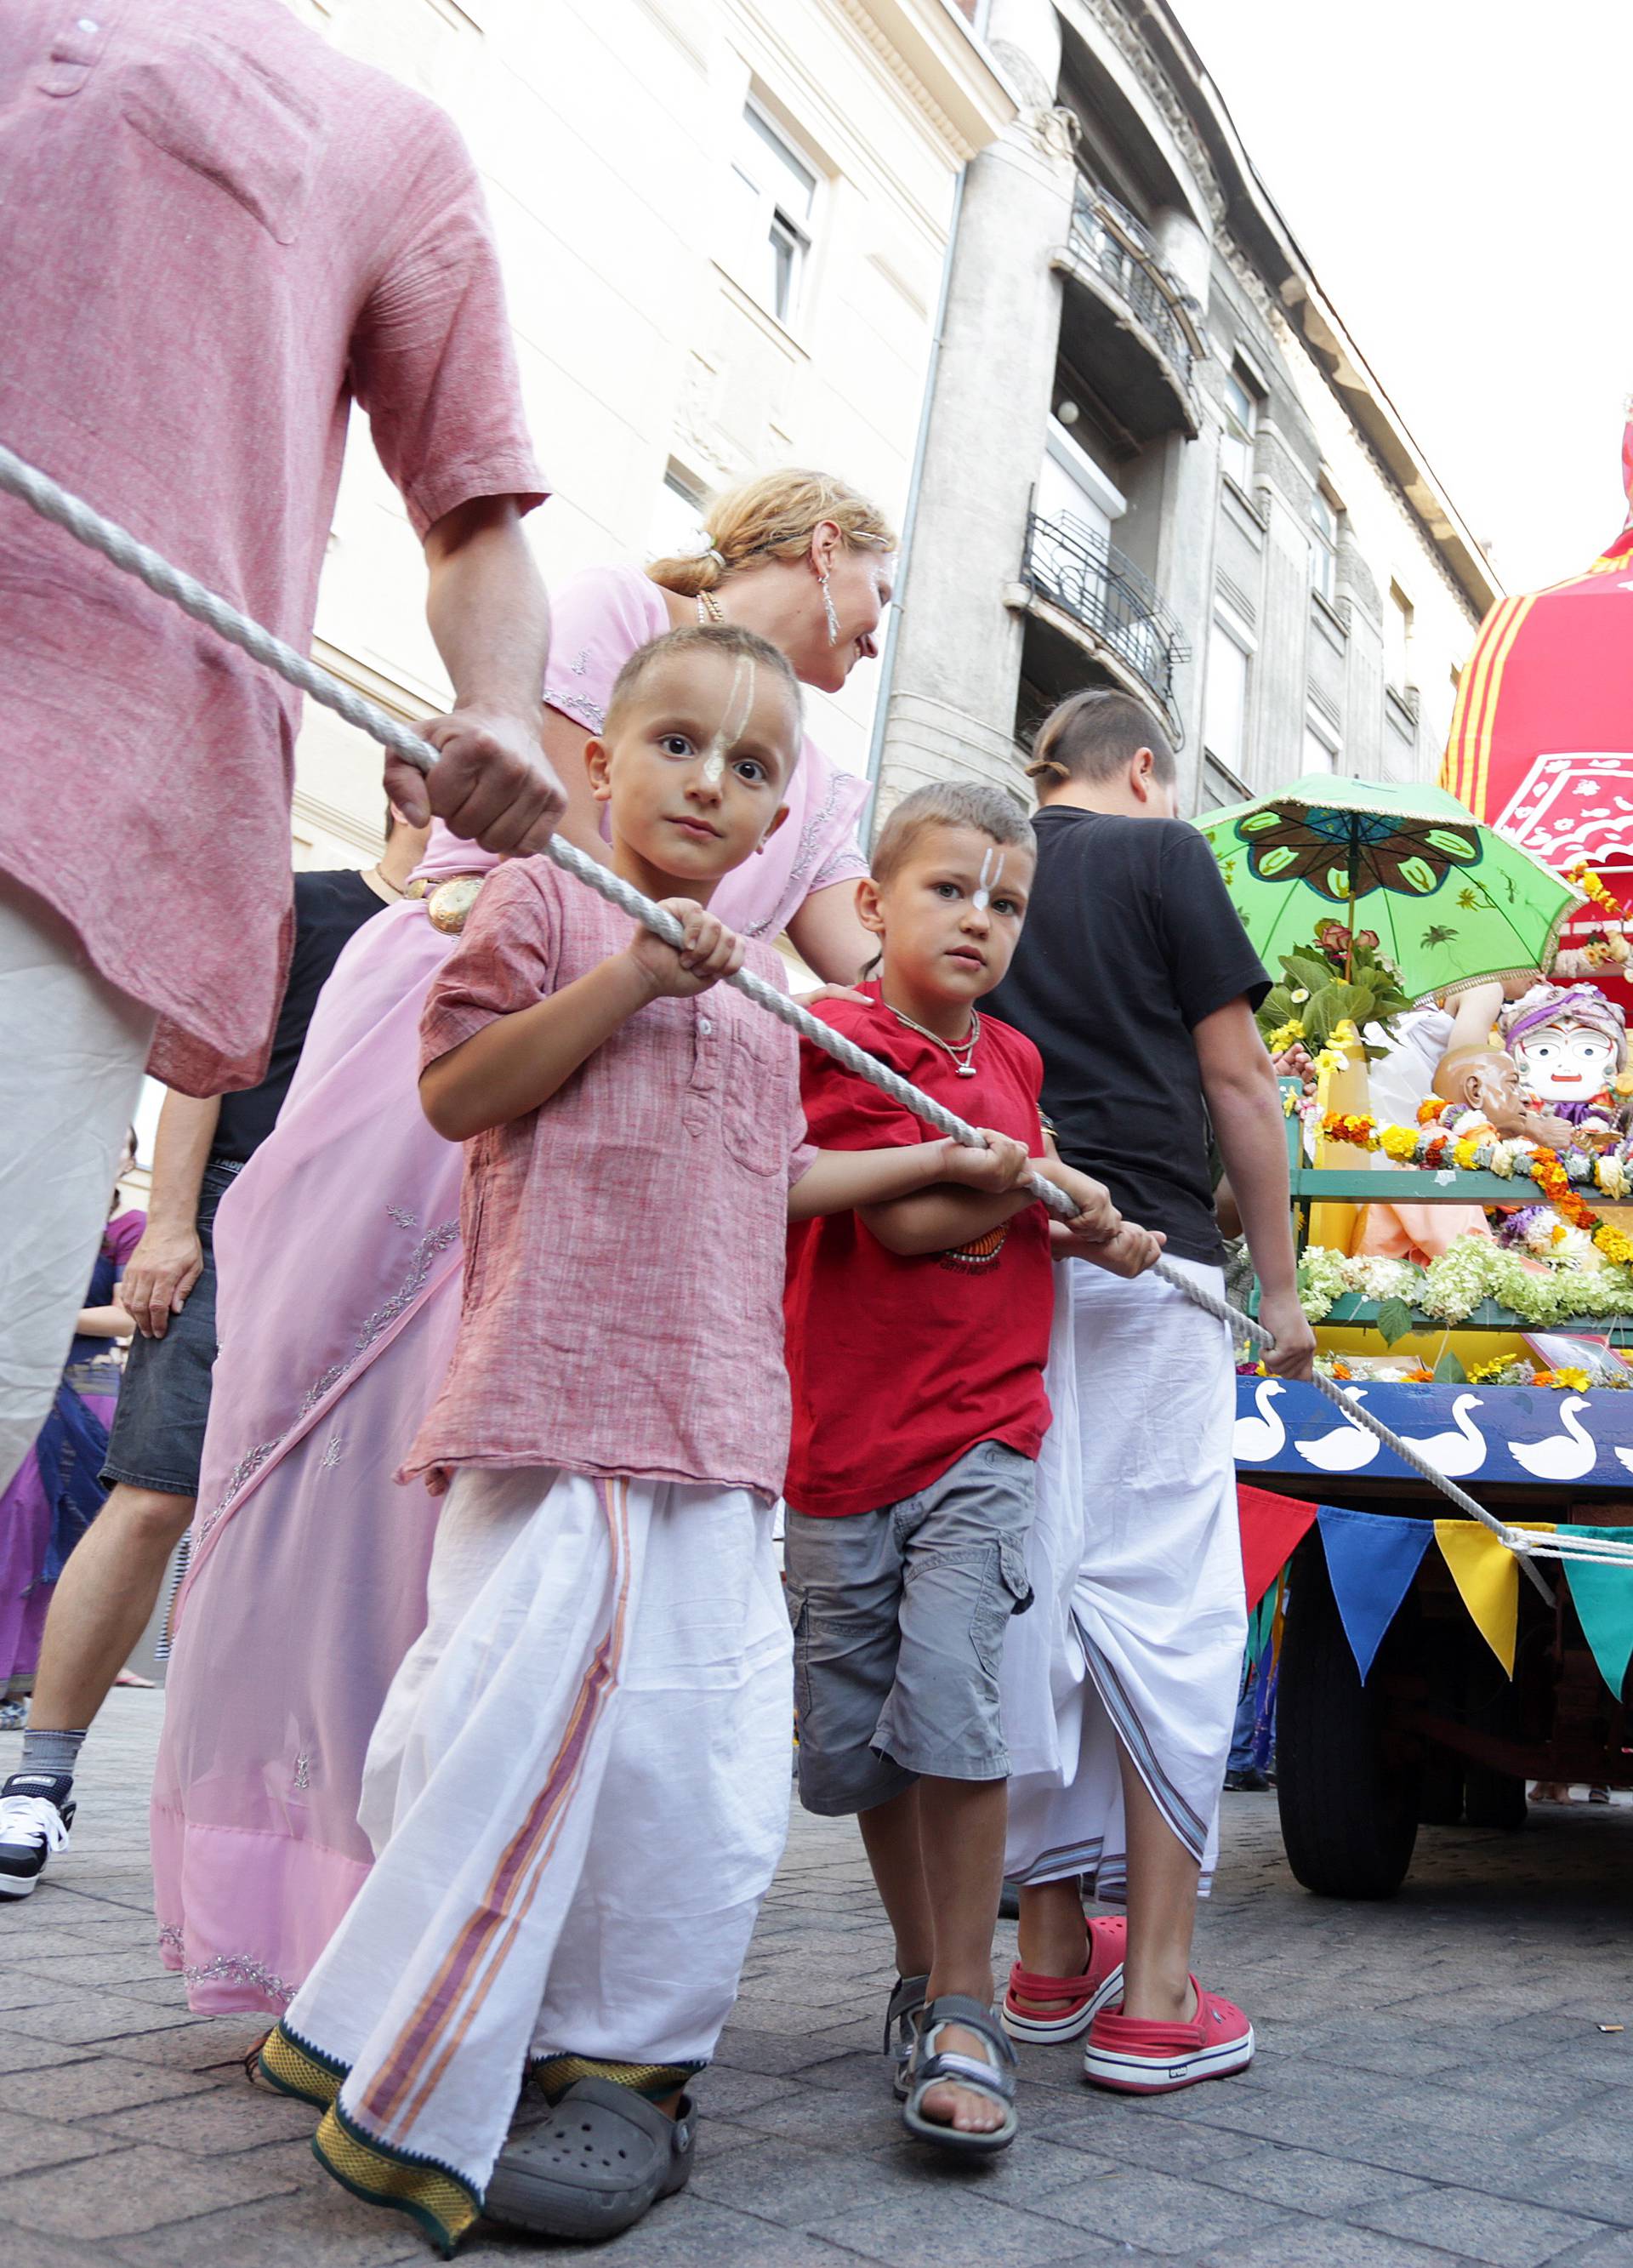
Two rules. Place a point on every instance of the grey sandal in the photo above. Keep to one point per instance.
(901, 2014)
(931, 2068)
(590, 2167)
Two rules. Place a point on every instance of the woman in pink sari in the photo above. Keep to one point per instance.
(339, 1267)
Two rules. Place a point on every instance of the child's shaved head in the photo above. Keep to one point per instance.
(728, 640)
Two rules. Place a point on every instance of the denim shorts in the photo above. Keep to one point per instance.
(899, 1622)
(158, 1436)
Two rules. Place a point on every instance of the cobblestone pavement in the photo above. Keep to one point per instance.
(1432, 2083)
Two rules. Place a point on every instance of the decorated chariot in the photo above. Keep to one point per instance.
(1461, 1177)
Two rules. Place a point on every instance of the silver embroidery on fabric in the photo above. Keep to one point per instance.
(332, 1453)
(586, 712)
(302, 1780)
(426, 1252)
(794, 891)
(239, 1968)
(403, 1220)
(228, 1968)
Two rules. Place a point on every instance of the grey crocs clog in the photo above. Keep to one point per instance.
(593, 2166)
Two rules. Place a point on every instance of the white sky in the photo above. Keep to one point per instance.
(1457, 173)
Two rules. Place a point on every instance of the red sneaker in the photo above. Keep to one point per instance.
(1137, 2056)
(1101, 1986)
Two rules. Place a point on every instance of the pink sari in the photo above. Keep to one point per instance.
(338, 1261)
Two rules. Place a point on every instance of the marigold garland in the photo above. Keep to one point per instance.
(1433, 1145)
(1581, 877)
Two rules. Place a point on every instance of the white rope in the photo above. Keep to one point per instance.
(53, 503)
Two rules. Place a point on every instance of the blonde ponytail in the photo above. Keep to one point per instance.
(773, 518)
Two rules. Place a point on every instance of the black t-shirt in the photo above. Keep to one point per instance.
(1130, 941)
(329, 908)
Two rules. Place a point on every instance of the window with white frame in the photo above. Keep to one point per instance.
(776, 187)
(1225, 701)
(1397, 640)
(1321, 744)
(1220, 786)
(1241, 423)
(1324, 546)
(677, 525)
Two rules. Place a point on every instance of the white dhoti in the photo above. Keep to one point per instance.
(579, 1790)
(1134, 1559)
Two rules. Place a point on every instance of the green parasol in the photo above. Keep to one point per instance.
(1447, 898)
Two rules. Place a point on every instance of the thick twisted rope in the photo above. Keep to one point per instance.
(53, 503)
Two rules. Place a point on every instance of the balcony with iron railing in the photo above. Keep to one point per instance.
(1110, 606)
(1131, 325)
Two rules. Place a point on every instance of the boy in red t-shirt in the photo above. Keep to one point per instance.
(917, 1334)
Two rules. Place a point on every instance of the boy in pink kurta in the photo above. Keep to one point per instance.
(603, 1684)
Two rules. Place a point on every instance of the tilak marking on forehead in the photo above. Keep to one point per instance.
(984, 894)
(739, 703)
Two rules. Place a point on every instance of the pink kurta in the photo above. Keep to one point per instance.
(218, 233)
(338, 1257)
(586, 1341)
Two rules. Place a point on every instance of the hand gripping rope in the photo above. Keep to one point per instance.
(43, 496)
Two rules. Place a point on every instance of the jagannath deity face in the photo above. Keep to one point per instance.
(1565, 1061)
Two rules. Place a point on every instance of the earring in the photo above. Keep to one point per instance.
(828, 602)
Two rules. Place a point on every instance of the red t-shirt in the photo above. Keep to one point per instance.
(900, 1363)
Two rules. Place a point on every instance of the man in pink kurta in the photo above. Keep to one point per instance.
(219, 234)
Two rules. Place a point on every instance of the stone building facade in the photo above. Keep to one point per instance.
(724, 227)
(1155, 458)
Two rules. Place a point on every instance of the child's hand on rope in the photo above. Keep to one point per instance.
(1098, 1220)
(708, 952)
(1001, 1167)
(1130, 1252)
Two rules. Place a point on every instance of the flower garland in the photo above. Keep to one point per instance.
(1510, 1370)
(1471, 1269)
(1603, 948)
(1436, 1146)
(1581, 877)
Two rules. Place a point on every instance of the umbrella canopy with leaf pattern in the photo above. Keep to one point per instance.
(1448, 898)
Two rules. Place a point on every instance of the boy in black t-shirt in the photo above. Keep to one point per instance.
(1136, 981)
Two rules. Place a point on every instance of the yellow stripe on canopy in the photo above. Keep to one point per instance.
(1487, 1575)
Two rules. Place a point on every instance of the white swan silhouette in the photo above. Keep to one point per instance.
(1346, 1448)
(1454, 1454)
(1626, 1456)
(1261, 1437)
(1567, 1456)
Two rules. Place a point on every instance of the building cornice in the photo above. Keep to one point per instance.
(929, 48)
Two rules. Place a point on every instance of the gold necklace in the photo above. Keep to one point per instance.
(961, 1051)
(379, 883)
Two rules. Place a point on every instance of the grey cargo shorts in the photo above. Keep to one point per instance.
(899, 1621)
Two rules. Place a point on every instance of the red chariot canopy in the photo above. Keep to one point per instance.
(1542, 742)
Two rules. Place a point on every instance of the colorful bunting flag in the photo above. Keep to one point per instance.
(1271, 1528)
(1602, 1593)
(1371, 1558)
(1487, 1575)
(1261, 1624)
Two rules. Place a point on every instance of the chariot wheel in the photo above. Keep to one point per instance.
(1348, 1805)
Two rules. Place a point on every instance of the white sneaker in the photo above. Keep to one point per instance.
(33, 1828)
